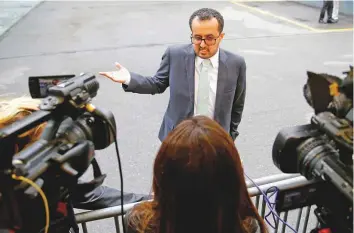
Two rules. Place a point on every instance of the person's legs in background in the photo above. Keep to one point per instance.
(327, 6)
(330, 13)
(335, 10)
(323, 11)
(103, 197)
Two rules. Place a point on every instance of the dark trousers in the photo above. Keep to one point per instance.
(327, 6)
(103, 197)
(99, 198)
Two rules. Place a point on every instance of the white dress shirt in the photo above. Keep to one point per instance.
(213, 80)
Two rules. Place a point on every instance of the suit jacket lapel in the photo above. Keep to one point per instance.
(222, 82)
(190, 72)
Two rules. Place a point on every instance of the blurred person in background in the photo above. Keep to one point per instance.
(327, 7)
(335, 13)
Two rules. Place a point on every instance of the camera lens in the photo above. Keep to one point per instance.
(311, 153)
(80, 129)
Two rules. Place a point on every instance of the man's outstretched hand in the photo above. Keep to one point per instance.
(122, 75)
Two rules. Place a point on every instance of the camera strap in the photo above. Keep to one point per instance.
(97, 180)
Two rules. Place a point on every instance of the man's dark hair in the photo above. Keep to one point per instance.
(207, 14)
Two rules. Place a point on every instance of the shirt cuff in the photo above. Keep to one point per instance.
(127, 80)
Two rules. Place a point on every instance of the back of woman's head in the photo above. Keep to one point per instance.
(198, 182)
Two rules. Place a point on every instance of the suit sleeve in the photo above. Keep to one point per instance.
(151, 85)
(239, 101)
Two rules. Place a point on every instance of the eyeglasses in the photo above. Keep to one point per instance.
(209, 40)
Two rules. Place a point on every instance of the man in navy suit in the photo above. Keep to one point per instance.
(203, 78)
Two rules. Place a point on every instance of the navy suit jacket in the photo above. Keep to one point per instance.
(177, 71)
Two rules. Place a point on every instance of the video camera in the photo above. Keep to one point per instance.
(47, 171)
(322, 151)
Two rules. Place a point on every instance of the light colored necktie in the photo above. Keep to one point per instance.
(203, 89)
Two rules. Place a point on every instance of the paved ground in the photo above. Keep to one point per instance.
(279, 40)
(12, 11)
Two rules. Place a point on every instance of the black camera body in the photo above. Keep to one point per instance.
(322, 151)
(74, 129)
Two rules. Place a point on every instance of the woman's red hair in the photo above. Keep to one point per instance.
(198, 185)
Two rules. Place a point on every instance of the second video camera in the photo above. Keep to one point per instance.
(322, 151)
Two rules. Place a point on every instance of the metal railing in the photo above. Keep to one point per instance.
(281, 181)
